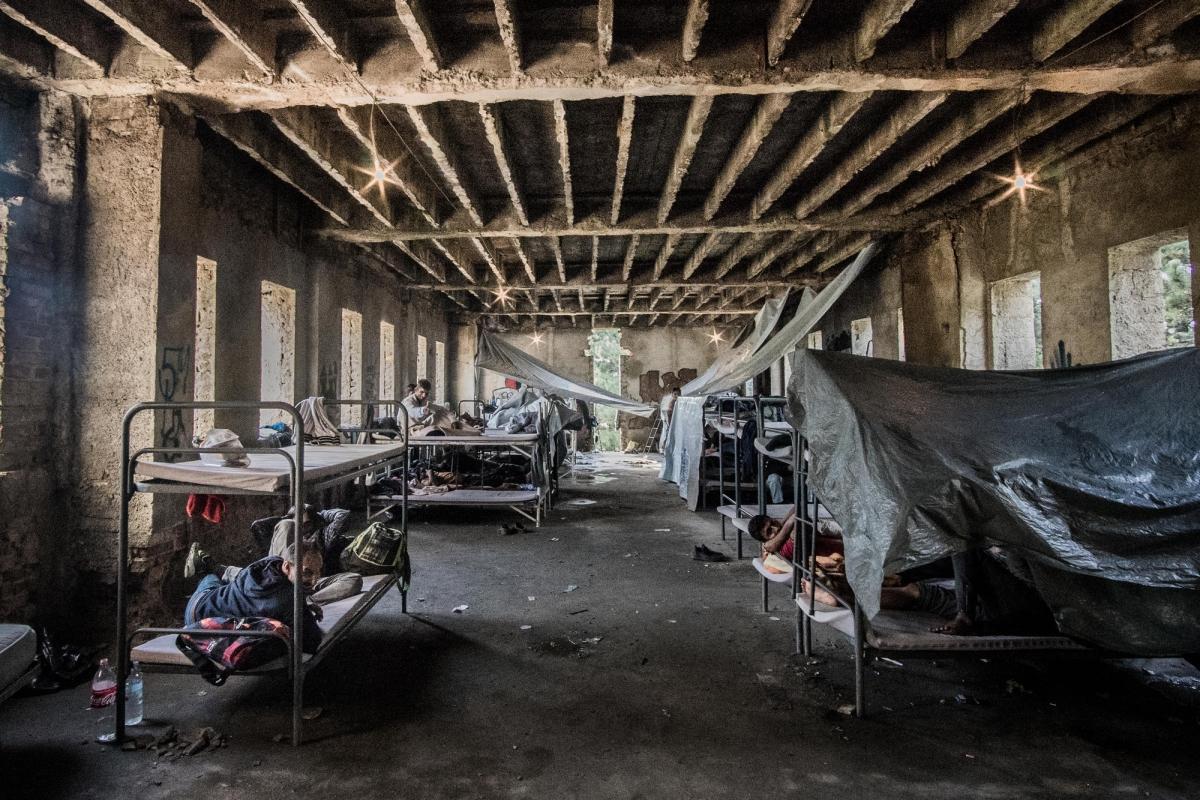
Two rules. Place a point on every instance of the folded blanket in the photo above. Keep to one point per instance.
(318, 429)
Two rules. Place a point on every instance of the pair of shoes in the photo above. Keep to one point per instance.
(198, 562)
(514, 528)
(703, 553)
(778, 446)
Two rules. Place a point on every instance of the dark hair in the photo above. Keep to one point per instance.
(756, 526)
(425, 384)
(676, 390)
(311, 549)
(412, 386)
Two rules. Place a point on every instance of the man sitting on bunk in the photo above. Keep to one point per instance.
(417, 401)
(263, 589)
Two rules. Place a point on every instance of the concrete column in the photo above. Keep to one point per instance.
(117, 358)
(929, 290)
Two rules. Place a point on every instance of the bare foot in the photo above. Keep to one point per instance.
(821, 596)
(961, 625)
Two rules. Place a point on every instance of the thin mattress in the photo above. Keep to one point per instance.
(774, 577)
(911, 631)
(271, 472)
(18, 650)
(488, 439)
(161, 650)
(472, 497)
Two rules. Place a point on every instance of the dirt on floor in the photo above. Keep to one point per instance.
(596, 659)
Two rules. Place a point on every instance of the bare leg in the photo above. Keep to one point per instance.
(821, 596)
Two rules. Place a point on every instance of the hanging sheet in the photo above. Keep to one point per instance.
(499, 356)
(749, 339)
(1090, 476)
(743, 367)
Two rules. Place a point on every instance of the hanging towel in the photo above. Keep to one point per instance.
(210, 507)
(317, 427)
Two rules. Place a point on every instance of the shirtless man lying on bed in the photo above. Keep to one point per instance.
(263, 589)
(987, 596)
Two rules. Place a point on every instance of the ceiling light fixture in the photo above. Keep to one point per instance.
(536, 338)
(1019, 183)
(715, 337)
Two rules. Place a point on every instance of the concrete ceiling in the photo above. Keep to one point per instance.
(611, 159)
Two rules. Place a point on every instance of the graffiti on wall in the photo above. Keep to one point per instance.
(173, 371)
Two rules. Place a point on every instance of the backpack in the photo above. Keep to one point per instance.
(379, 550)
(216, 657)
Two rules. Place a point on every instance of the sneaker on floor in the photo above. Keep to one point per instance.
(198, 562)
(703, 553)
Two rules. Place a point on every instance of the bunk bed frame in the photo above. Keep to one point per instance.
(290, 483)
(890, 633)
(741, 409)
(529, 445)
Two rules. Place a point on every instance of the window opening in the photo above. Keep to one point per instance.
(439, 372)
(1016, 322)
(387, 360)
(351, 378)
(1150, 294)
(422, 357)
(277, 379)
(205, 346)
(860, 337)
(604, 347)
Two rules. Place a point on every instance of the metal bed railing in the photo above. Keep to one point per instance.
(731, 411)
(296, 490)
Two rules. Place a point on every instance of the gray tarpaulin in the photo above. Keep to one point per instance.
(745, 366)
(1090, 476)
(499, 356)
(747, 341)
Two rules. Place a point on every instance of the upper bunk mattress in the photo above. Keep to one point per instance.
(271, 472)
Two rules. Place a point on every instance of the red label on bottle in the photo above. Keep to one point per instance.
(104, 696)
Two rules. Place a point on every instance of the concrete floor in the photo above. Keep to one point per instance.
(690, 691)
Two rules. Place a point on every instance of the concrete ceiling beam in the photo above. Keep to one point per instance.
(833, 118)
(785, 19)
(25, 55)
(693, 129)
(630, 253)
(701, 252)
(493, 130)
(1160, 21)
(978, 115)
(910, 112)
(1064, 23)
(693, 27)
(416, 24)
(564, 158)
(556, 248)
(59, 26)
(741, 249)
(879, 17)
(624, 140)
(151, 24)
(243, 26)
(604, 31)
(309, 130)
(781, 246)
(254, 137)
(510, 33)
(664, 255)
(326, 21)
(766, 114)
(972, 20)
(388, 151)
(428, 123)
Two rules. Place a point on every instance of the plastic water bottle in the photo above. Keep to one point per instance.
(134, 696)
(104, 686)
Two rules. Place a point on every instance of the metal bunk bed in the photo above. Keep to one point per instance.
(529, 445)
(288, 473)
(889, 633)
(729, 421)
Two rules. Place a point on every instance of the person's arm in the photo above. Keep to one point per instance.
(336, 520)
(789, 522)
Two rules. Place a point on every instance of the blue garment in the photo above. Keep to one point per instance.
(259, 590)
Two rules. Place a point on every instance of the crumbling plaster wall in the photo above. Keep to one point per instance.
(39, 145)
(104, 311)
(876, 294)
(1132, 185)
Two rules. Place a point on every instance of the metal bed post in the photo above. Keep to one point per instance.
(860, 699)
(760, 483)
(720, 461)
(737, 474)
(123, 574)
(297, 589)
